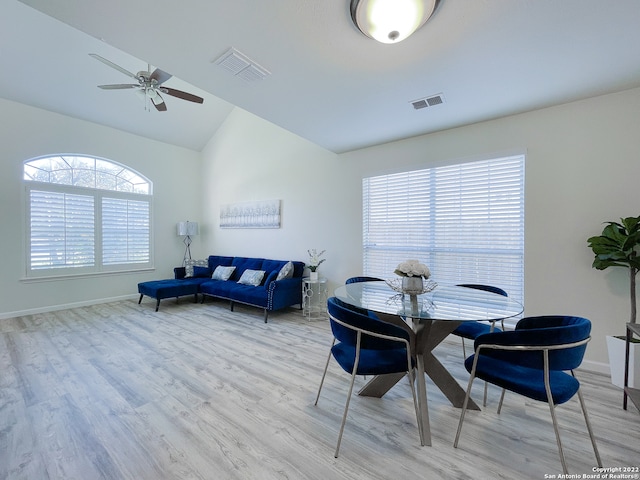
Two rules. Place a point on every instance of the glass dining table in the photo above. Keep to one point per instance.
(430, 317)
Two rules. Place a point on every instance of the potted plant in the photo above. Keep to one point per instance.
(314, 263)
(619, 246)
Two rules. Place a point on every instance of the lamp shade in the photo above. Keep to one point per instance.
(391, 21)
(188, 229)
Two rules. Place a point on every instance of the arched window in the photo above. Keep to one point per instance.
(86, 215)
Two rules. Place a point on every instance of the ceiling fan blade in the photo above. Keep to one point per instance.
(118, 86)
(183, 95)
(157, 100)
(161, 107)
(160, 76)
(113, 65)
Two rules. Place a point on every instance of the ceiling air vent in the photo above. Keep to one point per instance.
(431, 101)
(241, 66)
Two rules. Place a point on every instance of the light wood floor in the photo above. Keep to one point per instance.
(118, 391)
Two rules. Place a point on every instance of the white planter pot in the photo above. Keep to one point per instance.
(313, 276)
(616, 349)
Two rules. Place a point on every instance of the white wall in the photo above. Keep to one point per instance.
(250, 159)
(581, 170)
(28, 132)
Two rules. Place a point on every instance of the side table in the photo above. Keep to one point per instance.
(314, 298)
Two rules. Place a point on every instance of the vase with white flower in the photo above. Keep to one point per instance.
(314, 262)
(413, 274)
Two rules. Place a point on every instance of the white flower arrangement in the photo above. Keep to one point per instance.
(314, 259)
(412, 268)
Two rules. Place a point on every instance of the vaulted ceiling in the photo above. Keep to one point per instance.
(327, 82)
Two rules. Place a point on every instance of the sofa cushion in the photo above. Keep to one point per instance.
(237, 292)
(251, 277)
(201, 272)
(251, 295)
(216, 260)
(272, 268)
(298, 269)
(243, 263)
(160, 289)
(273, 265)
(189, 264)
(223, 273)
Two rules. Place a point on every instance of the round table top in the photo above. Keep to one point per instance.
(444, 302)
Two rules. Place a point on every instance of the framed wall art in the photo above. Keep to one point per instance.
(263, 214)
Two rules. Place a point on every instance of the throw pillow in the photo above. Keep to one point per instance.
(251, 277)
(223, 273)
(189, 264)
(285, 272)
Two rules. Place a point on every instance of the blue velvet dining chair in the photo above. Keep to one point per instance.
(359, 280)
(362, 279)
(472, 330)
(363, 345)
(533, 360)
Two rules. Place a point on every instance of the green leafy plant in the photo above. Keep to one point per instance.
(619, 246)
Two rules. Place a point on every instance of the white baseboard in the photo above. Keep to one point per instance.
(66, 306)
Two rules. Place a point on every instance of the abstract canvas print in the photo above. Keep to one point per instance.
(264, 214)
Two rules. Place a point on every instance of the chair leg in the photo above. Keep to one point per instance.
(346, 407)
(557, 431)
(466, 401)
(484, 400)
(411, 377)
(464, 352)
(586, 419)
(501, 400)
(324, 374)
(547, 387)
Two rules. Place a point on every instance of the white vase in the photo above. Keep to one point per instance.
(412, 285)
(313, 276)
(616, 349)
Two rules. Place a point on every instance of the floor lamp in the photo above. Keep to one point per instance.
(187, 230)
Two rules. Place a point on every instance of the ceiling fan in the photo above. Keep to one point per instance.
(149, 86)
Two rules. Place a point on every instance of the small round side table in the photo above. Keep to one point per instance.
(314, 298)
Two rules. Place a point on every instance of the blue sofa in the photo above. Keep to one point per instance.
(270, 294)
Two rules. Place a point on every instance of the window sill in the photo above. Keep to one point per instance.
(73, 276)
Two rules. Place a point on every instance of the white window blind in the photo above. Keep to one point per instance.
(466, 222)
(62, 230)
(85, 214)
(125, 231)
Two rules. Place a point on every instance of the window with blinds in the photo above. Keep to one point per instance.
(466, 222)
(125, 227)
(85, 215)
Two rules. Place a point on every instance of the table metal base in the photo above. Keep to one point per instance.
(429, 334)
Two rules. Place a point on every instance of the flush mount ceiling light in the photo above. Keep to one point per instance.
(391, 21)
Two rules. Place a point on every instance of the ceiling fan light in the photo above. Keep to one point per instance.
(140, 94)
(154, 96)
(391, 21)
